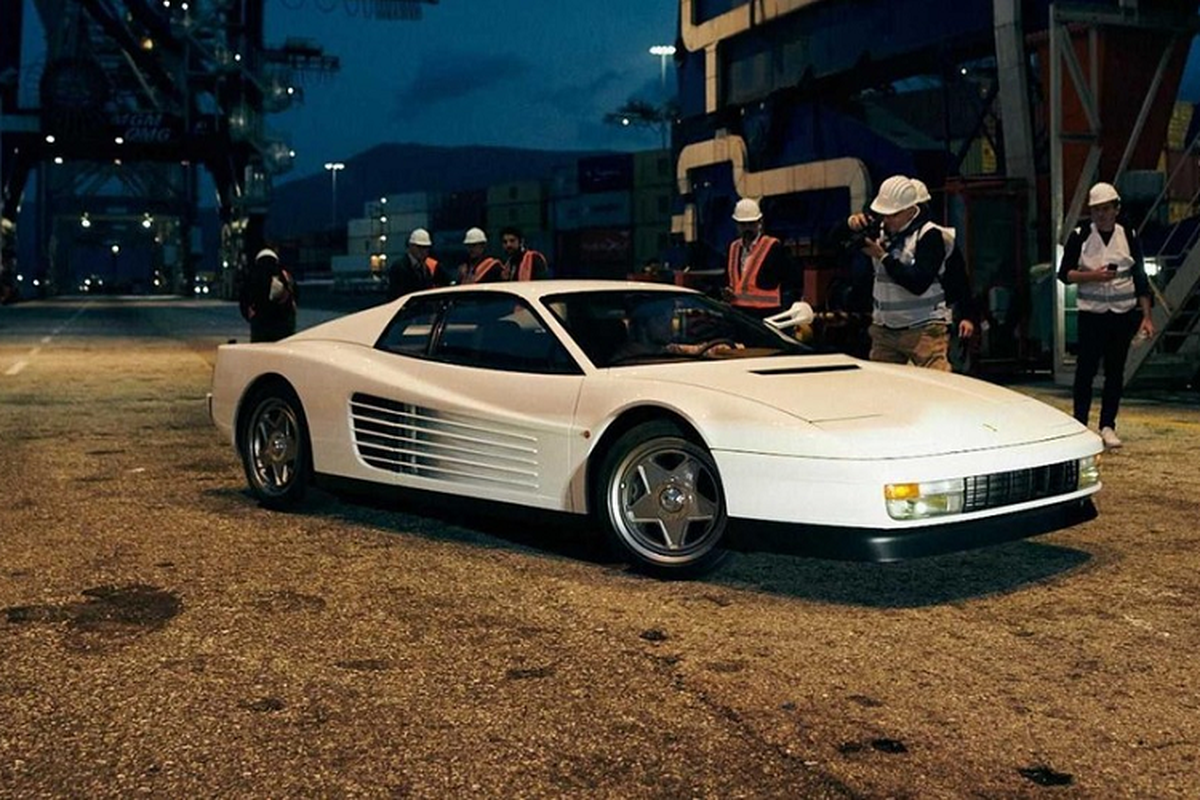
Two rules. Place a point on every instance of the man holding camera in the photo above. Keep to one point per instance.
(910, 319)
(1104, 259)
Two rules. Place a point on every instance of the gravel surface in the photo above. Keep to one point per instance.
(161, 634)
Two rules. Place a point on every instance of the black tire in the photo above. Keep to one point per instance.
(660, 500)
(275, 447)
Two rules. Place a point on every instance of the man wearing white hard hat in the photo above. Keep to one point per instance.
(762, 279)
(416, 269)
(1103, 259)
(910, 318)
(479, 266)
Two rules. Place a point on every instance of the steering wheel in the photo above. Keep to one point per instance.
(709, 347)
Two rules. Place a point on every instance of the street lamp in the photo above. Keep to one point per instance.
(663, 51)
(334, 168)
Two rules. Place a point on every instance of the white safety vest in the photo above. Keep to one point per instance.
(1118, 295)
(897, 307)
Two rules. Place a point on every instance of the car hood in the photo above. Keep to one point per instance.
(871, 410)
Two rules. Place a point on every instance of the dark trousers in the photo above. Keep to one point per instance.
(1103, 339)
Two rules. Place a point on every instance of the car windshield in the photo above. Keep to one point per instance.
(616, 328)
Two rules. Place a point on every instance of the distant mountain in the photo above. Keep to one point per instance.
(304, 205)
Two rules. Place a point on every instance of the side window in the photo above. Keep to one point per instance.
(410, 331)
(499, 332)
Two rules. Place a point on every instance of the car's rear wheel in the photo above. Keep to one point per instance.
(662, 502)
(275, 450)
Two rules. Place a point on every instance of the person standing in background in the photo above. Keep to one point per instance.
(1103, 259)
(417, 270)
(479, 266)
(268, 298)
(762, 278)
(521, 263)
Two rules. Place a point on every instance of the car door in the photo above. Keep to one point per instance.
(476, 398)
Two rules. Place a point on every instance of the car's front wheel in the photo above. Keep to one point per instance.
(661, 500)
(275, 451)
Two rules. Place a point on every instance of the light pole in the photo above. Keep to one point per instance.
(334, 168)
(663, 51)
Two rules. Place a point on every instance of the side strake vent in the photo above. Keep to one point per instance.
(409, 439)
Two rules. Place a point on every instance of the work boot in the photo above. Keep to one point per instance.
(1111, 440)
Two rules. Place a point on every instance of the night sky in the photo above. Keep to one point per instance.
(533, 73)
(520, 73)
(523, 73)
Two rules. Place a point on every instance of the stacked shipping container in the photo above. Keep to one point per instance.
(599, 217)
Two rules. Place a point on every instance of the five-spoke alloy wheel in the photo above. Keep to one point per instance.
(275, 450)
(661, 497)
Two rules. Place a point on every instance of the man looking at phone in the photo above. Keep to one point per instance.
(1104, 259)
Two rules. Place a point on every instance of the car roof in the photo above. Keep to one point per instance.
(537, 289)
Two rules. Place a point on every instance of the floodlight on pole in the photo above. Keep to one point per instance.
(334, 168)
(663, 51)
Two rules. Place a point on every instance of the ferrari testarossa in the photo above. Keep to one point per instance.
(672, 419)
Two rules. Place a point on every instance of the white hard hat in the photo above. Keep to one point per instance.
(1103, 193)
(266, 252)
(475, 236)
(747, 210)
(922, 190)
(896, 194)
(420, 237)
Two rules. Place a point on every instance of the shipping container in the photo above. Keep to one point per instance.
(466, 209)
(602, 210)
(410, 202)
(653, 168)
(344, 264)
(403, 224)
(606, 247)
(515, 192)
(525, 216)
(652, 206)
(564, 181)
(362, 245)
(606, 173)
(650, 242)
(566, 248)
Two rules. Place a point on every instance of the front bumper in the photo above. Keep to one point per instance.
(865, 544)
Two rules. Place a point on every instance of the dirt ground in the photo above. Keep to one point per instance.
(162, 635)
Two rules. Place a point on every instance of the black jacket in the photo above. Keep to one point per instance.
(270, 320)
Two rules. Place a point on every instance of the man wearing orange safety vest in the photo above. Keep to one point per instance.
(762, 278)
(521, 263)
(416, 269)
(479, 266)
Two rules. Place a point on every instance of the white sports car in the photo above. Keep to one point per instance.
(662, 413)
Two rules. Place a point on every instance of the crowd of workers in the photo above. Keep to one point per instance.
(418, 269)
(920, 290)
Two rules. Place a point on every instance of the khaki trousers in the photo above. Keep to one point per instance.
(926, 346)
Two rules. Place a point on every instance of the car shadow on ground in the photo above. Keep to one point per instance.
(567, 536)
(919, 582)
(929, 581)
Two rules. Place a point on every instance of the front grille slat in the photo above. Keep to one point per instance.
(1020, 486)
